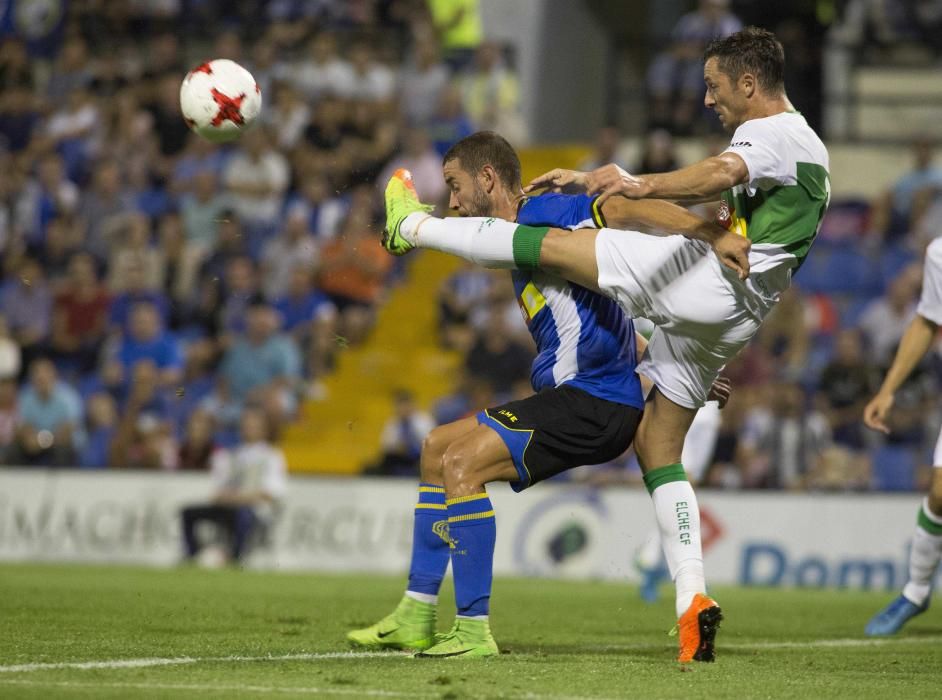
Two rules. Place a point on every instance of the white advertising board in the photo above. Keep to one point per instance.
(557, 530)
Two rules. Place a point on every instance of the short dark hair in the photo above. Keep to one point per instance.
(751, 50)
(487, 148)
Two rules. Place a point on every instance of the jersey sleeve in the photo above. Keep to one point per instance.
(760, 146)
(930, 302)
(570, 211)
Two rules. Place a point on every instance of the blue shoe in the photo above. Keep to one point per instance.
(892, 618)
(651, 578)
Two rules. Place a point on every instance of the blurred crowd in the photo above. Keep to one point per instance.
(153, 285)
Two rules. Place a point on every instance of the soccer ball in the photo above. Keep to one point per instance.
(220, 100)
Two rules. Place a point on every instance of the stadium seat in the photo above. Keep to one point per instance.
(894, 468)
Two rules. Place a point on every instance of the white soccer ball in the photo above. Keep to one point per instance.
(220, 100)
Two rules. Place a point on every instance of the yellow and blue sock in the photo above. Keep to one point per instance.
(429, 544)
(473, 534)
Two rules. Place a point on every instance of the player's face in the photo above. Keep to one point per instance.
(465, 194)
(722, 95)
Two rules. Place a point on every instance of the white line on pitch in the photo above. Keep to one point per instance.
(182, 660)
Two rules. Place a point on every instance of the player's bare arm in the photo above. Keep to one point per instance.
(655, 216)
(914, 345)
(706, 179)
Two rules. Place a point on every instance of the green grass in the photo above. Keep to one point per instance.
(560, 640)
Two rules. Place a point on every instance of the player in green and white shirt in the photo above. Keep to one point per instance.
(705, 303)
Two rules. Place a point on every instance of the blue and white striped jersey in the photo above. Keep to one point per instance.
(582, 338)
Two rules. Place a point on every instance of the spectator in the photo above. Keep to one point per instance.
(26, 300)
(423, 82)
(257, 177)
(10, 360)
(136, 290)
(419, 157)
(607, 142)
(80, 316)
(9, 418)
(322, 72)
(72, 70)
(402, 438)
(782, 441)
(132, 251)
(143, 438)
(675, 77)
(658, 154)
(101, 422)
(262, 365)
(496, 358)
(288, 117)
(311, 319)
(458, 23)
(353, 272)
(48, 195)
(63, 240)
(892, 212)
(845, 385)
(491, 95)
(451, 122)
(50, 419)
(785, 337)
(370, 80)
(240, 291)
(884, 319)
(198, 444)
(325, 212)
(202, 207)
(462, 292)
(147, 339)
(293, 247)
(249, 481)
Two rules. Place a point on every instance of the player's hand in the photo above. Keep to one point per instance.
(557, 180)
(733, 251)
(720, 391)
(611, 179)
(876, 412)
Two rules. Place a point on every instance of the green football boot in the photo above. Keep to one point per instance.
(401, 200)
(469, 638)
(410, 626)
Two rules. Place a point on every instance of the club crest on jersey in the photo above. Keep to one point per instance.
(727, 218)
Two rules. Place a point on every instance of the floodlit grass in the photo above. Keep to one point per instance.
(226, 634)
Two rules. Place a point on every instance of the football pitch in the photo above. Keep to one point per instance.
(110, 632)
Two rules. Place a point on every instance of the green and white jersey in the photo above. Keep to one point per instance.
(781, 206)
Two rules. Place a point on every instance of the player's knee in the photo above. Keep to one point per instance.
(433, 449)
(459, 470)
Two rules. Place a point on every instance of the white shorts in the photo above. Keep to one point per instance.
(704, 314)
(937, 455)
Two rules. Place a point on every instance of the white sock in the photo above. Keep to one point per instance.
(486, 241)
(678, 519)
(430, 598)
(924, 556)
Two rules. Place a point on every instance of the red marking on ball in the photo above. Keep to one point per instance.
(203, 68)
(229, 108)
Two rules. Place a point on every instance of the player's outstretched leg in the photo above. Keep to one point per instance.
(401, 201)
(924, 557)
(412, 624)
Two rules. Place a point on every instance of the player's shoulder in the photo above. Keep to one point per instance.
(556, 209)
